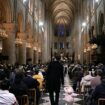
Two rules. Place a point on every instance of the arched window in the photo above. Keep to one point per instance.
(59, 30)
(61, 45)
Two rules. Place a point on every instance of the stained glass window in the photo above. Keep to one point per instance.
(61, 45)
(61, 30)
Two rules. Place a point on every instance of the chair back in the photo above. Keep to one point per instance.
(23, 100)
(87, 88)
(32, 96)
(101, 101)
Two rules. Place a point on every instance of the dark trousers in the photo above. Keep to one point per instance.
(54, 99)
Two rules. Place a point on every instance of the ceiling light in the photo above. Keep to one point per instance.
(84, 24)
(41, 23)
(97, 0)
(24, 1)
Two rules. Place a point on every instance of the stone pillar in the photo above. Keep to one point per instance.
(34, 56)
(37, 56)
(9, 43)
(22, 54)
(22, 49)
(29, 54)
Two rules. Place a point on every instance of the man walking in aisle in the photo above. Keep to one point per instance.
(54, 79)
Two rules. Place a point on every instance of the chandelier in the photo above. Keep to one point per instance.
(18, 41)
(94, 46)
(3, 33)
(35, 48)
(28, 45)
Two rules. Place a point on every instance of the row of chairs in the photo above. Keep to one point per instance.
(29, 99)
(101, 101)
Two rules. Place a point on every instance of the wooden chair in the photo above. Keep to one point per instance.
(101, 101)
(87, 88)
(32, 96)
(23, 100)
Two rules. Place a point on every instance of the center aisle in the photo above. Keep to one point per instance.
(45, 97)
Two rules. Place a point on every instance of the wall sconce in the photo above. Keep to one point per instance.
(89, 48)
(1, 49)
(97, 1)
(3, 33)
(83, 24)
(41, 23)
(18, 41)
(35, 48)
(39, 50)
(94, 46)
(85, 50)
(28, 45)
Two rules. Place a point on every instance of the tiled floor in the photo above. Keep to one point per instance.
(77, 99)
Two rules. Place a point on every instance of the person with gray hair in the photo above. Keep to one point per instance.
(97, 79)
(99, 92)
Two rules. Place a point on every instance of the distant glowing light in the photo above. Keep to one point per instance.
(84, 24)
(24, 1)
(97, 0)
(41, 23)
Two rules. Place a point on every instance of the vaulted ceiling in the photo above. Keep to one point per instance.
(62, 10)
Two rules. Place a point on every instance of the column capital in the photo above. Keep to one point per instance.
(10, 27)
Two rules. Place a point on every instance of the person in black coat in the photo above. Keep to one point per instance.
(19, 88)
(54, 79)
(32, 83)
(99, 92)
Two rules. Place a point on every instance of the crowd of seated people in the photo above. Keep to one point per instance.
(91, 77)
(17, 80)
(5, 95)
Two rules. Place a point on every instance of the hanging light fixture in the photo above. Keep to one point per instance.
(18, 41)
(39, 50)
(28, 45)
(94, 46)
(3, 33)
(85, 50)
(35, 48)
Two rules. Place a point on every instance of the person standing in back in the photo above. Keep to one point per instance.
(54, 79)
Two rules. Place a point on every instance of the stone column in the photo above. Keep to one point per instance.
(22, 54)
(34, 56)
(30, 54)
(37, 56)
(22, 49)
(9, 43)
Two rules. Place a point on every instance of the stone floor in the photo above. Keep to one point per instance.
(77, 100)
